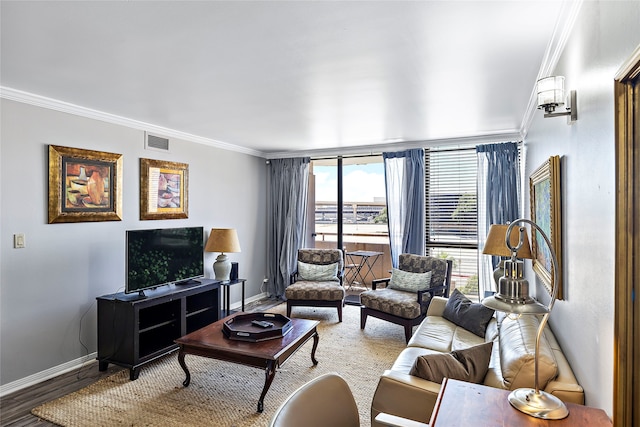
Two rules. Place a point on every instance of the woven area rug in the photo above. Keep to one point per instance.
(226, 394)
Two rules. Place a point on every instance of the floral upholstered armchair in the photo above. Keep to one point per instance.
(405, 299)
(317, 281)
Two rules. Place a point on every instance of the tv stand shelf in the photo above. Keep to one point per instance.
(134, 330)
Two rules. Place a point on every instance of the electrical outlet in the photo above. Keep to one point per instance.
(18, 241)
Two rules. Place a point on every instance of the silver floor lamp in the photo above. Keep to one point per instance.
(513, 297)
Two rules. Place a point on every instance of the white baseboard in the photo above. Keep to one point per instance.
(237, 305)
(47, 374)
(39, 377)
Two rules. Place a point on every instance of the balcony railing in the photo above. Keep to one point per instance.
(361, 232)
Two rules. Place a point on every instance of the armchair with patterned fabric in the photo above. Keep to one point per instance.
(317, 281)
(409, 290)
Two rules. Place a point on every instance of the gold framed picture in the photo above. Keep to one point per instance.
(164, 188)
(84, 185)
(546, 204)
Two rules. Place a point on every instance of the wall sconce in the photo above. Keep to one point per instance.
(551, 95)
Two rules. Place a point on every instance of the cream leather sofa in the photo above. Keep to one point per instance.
(511, 366)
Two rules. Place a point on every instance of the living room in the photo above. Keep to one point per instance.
(49, 287)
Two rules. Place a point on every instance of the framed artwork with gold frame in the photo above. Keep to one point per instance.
(84, 185)
(164, 188)
(546, 204)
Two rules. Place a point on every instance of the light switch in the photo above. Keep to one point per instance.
(18, 241)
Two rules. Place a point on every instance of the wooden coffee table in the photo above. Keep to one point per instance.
(211, 342)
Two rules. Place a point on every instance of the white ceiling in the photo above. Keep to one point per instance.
(276, 77)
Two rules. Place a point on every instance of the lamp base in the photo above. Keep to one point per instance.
(540, 405)
(222, 268)
(498, 272)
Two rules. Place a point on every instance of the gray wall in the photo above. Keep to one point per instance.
(48, 289)
(603, 38)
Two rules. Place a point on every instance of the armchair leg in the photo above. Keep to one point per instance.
(288, 309)
(340, 312)
(408, 331)
(363, 318)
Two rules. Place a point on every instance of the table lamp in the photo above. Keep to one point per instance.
(495, 245)
(513, 297)
(222, 240)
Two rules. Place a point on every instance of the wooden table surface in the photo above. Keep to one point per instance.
(466, 404)
(211, 342)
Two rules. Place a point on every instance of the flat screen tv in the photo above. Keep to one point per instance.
(163, 256)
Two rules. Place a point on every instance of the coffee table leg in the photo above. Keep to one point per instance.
(316, 338)
(184, 368)
(270, 372)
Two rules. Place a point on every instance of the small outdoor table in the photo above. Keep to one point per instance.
(364, 267)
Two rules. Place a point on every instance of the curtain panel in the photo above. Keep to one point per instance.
(498, 200)
(404, 181)
(286, 213)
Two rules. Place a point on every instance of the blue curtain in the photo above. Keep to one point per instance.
(498, 199)
(286, 212)
(404, 180)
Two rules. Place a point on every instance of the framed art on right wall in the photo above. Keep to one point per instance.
(546, 203)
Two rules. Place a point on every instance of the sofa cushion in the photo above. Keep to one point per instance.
(517, 353)
(409, 282)
(318, 272)
(434, 333)
(469, 364)
(473, 317)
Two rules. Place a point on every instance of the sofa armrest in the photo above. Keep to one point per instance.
(394, 421)
(405, 396)
(436, 306)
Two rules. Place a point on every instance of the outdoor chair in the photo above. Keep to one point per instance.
(409, 290)
(317, 281)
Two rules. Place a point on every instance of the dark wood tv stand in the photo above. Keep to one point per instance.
(134, 330)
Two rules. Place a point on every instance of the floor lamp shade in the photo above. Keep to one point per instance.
(496, 245)
(222, 240)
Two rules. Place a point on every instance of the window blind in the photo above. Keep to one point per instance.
(451, 197)
(451, 213)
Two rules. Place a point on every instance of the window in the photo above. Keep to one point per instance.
(451, 213)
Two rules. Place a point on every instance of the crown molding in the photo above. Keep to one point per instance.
(66, 107)
(468, 141)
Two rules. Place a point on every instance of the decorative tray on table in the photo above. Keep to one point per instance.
(256, 327)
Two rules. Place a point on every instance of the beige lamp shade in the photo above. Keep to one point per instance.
(496, 244)
(223, 240)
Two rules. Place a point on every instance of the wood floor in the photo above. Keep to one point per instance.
(15, 408)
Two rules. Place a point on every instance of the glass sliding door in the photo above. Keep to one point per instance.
(323, 195)
(350, 212)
